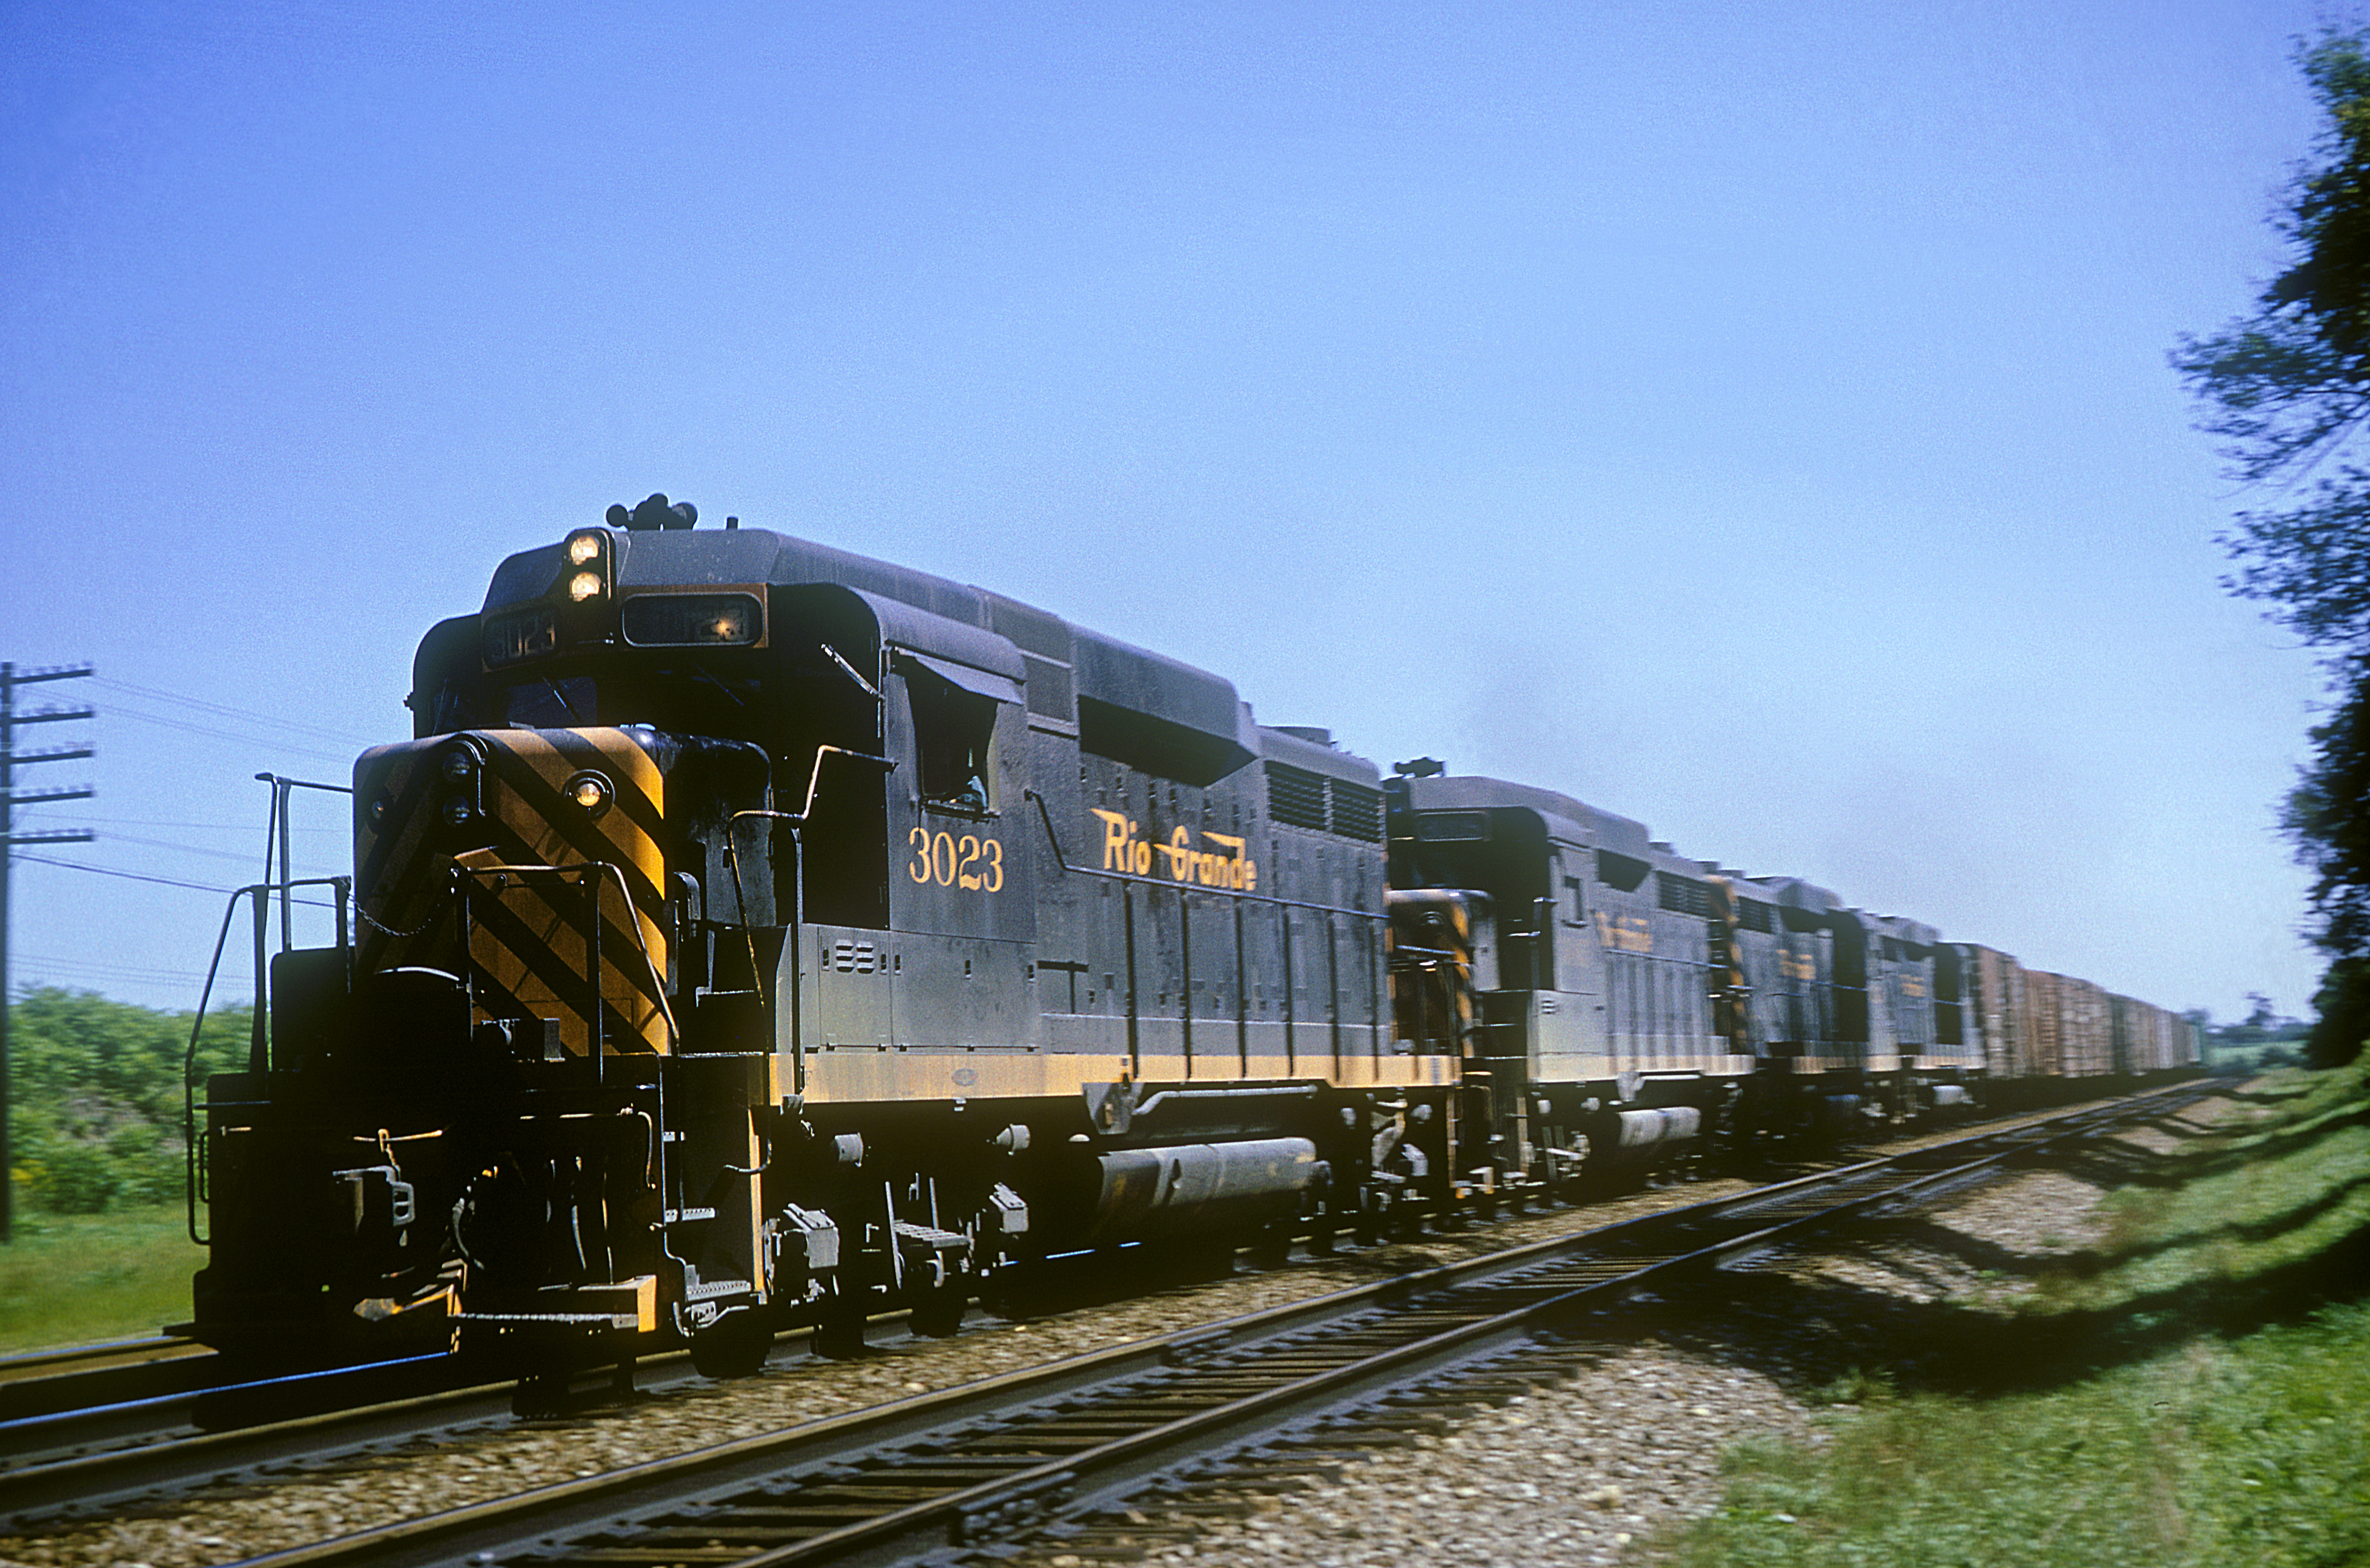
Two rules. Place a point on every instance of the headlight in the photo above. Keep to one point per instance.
(582, 586)
(460, 765)
(590, 791)
(583, 549)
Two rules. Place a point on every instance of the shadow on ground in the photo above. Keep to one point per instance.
(1815, 1333)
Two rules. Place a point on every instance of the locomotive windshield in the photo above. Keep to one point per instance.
(682, 699)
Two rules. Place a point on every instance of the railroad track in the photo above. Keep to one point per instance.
(72, 1400)
(83, 1399)
(43, 1382)
(71, 1443)
(80, 1463)
(1037, 1453)
(90, 1464)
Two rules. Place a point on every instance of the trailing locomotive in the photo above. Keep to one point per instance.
(752, 934)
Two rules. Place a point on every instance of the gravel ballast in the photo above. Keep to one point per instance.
(1580, 1473)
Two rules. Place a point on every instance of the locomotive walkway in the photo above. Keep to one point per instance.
(1046, 1452)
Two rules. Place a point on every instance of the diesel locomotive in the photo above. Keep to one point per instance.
(754, 934)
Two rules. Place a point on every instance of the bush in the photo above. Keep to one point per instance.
(76, 1178)
(96, 1097)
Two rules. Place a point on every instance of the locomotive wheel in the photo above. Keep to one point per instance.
(540, 1395)
(1271, 1248)
(734, 1346)
(839, 1331)
(940, 1314)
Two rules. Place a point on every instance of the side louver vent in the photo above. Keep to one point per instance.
(1296, 796)
(1682, 895)
(1357, 812)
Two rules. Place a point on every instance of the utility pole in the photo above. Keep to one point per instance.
(11, 798)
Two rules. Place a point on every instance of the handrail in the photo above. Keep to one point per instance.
(797, 823)
(258, 1060)
(276, 826)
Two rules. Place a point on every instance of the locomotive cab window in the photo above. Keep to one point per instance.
(684, 698)
(954, 709)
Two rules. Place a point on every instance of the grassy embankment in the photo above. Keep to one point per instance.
(2197, 1392)
(72, 1279)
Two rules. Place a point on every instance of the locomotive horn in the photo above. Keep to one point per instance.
(655, 512)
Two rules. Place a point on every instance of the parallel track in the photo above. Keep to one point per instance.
(180, 1410)
(48, 1382)
(956, 1471)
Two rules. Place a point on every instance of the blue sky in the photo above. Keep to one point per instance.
(1749, 418)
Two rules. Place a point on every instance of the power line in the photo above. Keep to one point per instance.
(128, 876)
(207, 826)
(187, 728)
(236, 856)
(228, 710)
(95, 969)
(161, 882)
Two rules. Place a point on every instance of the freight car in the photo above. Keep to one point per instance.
(752, 933)
(2031, 1030)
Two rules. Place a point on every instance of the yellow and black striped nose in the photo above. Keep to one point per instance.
(531, 862)
(1724, 975)
(1428, 948)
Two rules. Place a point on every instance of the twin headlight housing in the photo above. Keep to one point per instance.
(586, 607)
(591, 578)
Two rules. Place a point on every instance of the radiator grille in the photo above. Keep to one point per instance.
(1296, 796)
(1357, 812)
(1683, 896)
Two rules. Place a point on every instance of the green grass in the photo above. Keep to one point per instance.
(69, 1279)
(2189, 1447)
(2223, 1056)
(2289, 1187)
(2253, 1452)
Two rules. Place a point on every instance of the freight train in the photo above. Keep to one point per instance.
(752, 934)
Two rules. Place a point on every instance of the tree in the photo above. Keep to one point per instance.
(2286, 389)
(98, 1086)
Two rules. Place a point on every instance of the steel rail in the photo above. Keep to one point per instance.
(97, 1461)
(1477, 1350)
(965, 1464)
